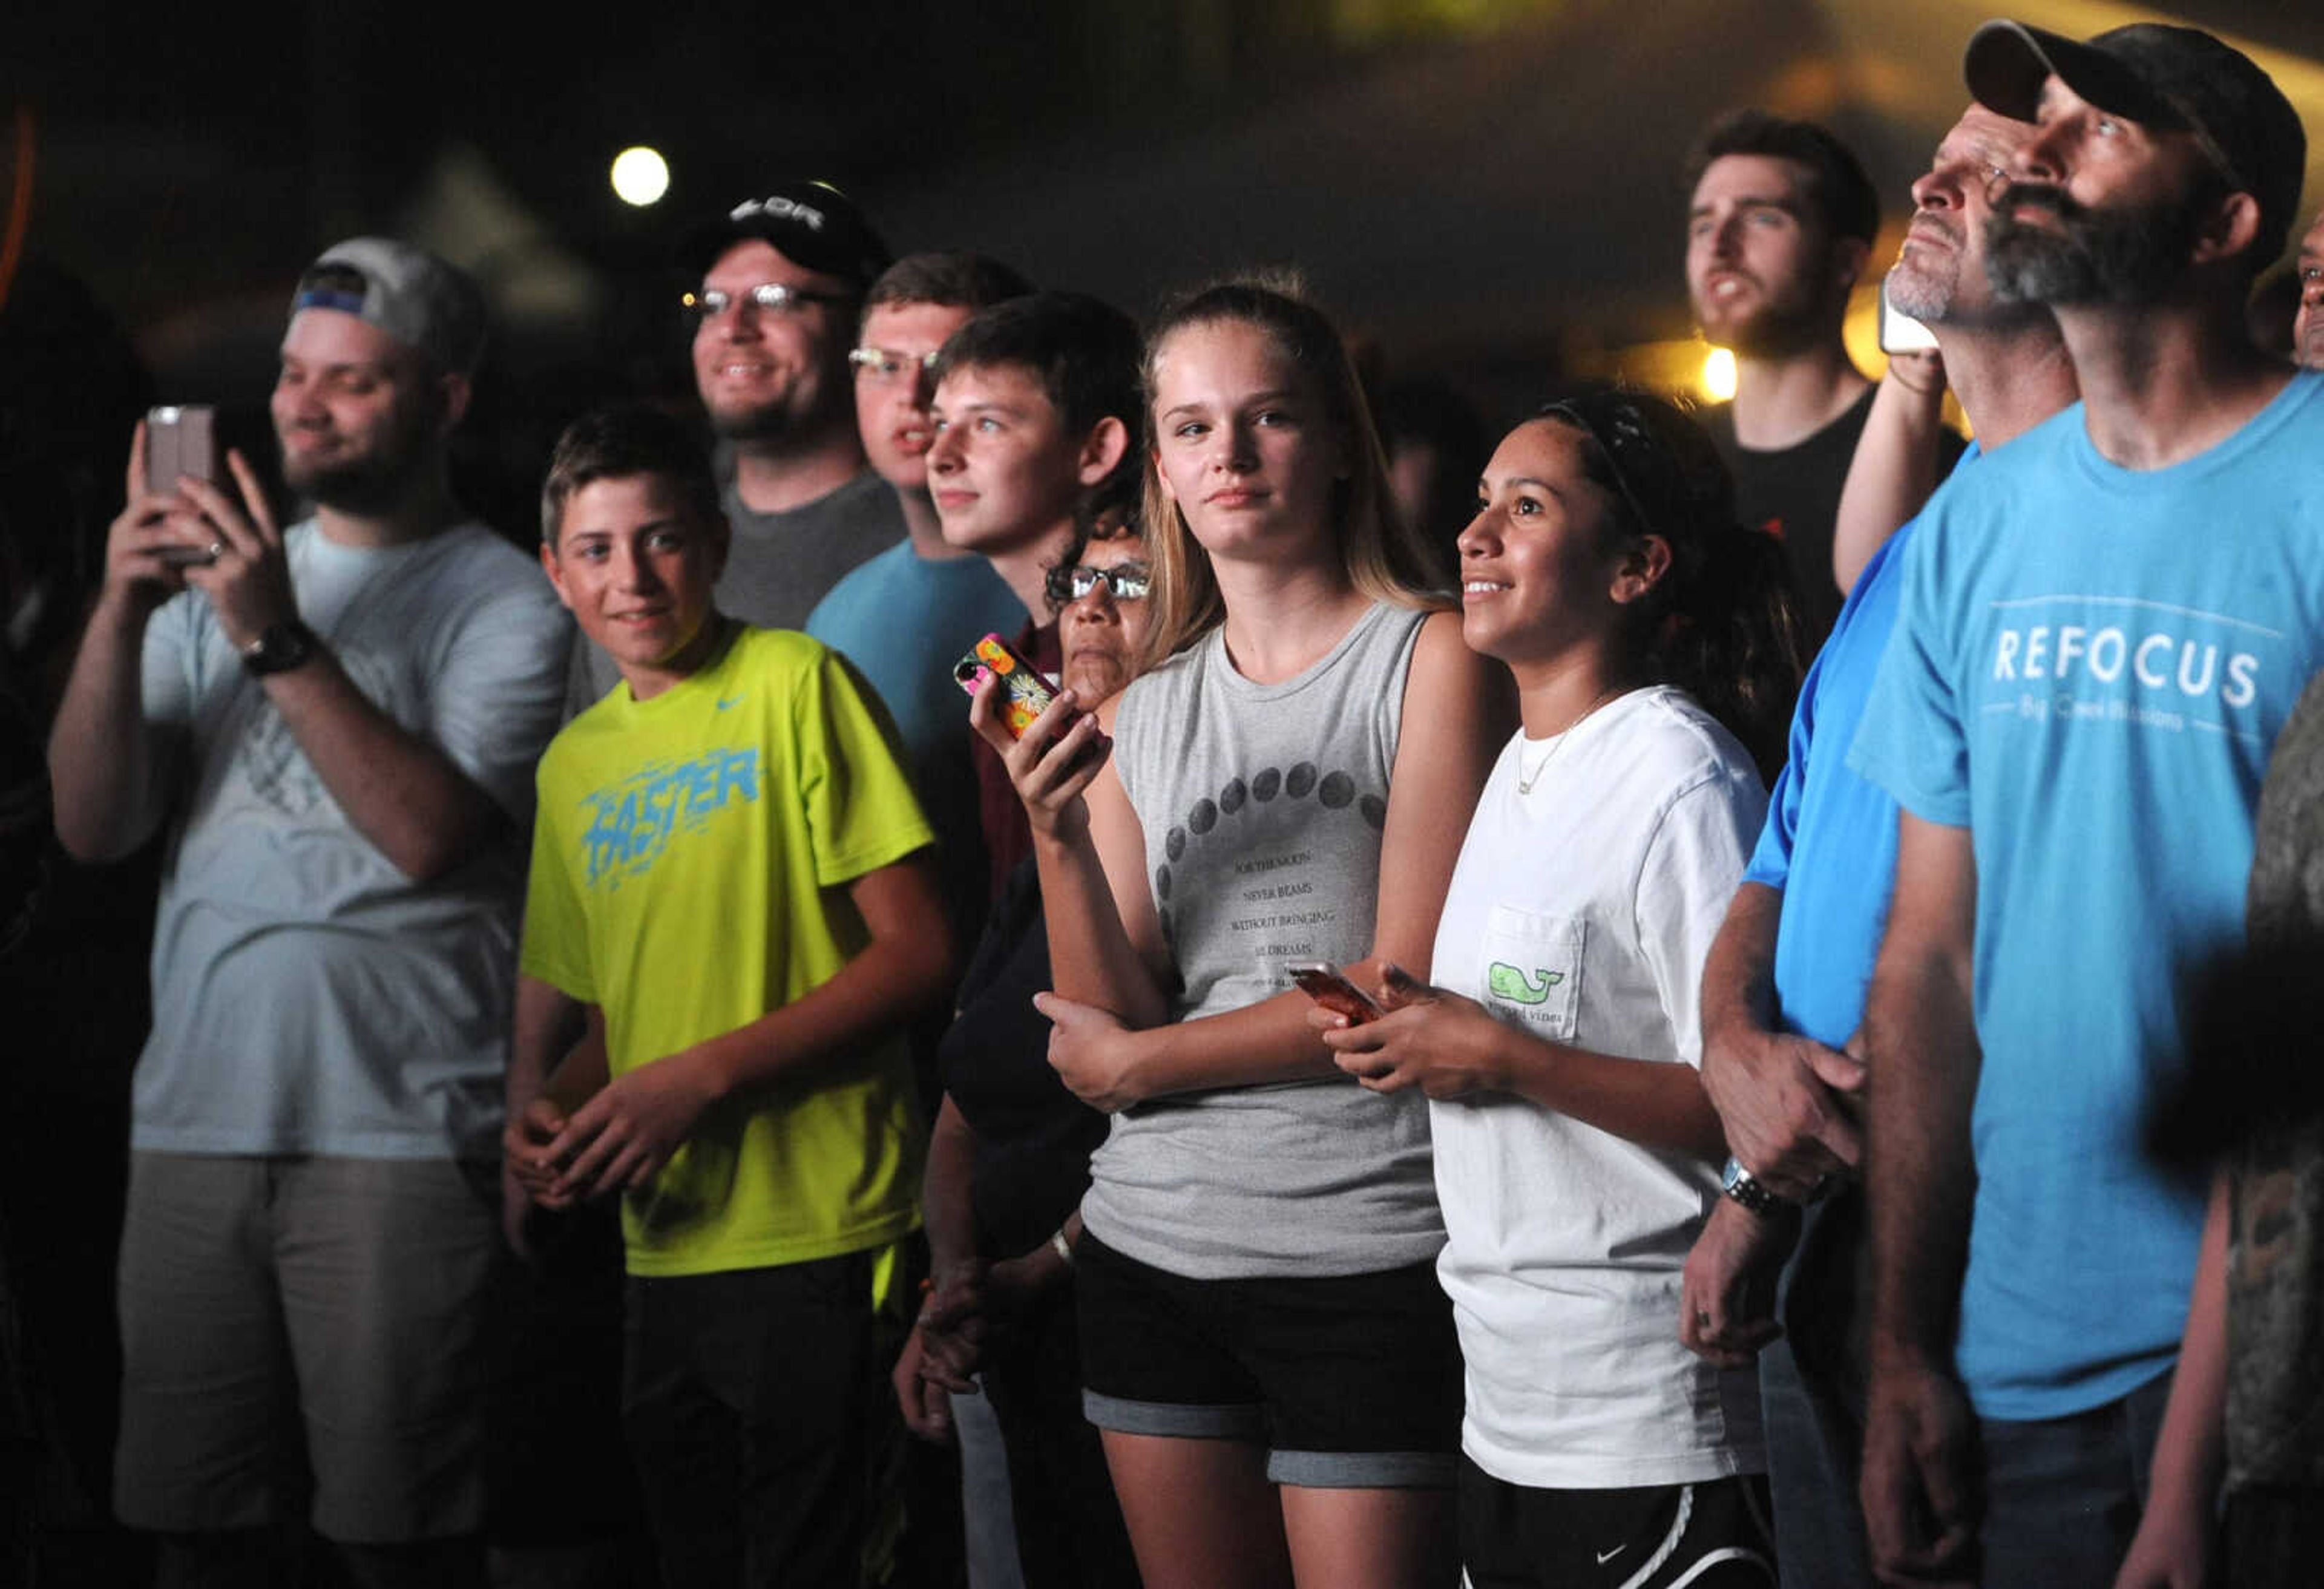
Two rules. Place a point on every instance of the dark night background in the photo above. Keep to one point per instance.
(1486, 191)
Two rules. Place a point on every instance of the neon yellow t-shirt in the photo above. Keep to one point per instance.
(689, 864)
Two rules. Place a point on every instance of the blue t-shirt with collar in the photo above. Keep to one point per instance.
(1830, 842)
(2089, 668)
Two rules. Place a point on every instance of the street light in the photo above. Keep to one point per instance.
(641, 176)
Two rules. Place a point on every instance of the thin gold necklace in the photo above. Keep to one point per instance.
(1526, 781)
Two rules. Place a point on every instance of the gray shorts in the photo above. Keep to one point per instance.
(347, 1293)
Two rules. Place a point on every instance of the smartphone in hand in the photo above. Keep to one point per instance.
(1899, 332)
(1328, 985)
(1025, 695)
(181, 443)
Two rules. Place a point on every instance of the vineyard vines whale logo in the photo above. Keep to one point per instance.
(1510, 982)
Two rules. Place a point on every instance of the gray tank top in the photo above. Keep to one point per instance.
(1262, 806)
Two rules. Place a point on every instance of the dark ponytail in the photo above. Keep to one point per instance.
(1731, 640)
(1721, 623)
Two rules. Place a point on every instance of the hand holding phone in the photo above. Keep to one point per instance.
(180, 444)
(1025, 695)
(1899, 332)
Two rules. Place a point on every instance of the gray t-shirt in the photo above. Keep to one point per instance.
(307, 996)
(1262, 807)
(779, 566)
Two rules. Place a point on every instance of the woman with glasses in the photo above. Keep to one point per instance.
(1651, 644)
(1266, 1351)
(1010, 1158)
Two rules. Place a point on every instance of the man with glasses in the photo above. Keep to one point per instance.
(905, 615)
(1782, 987)
(781, 278)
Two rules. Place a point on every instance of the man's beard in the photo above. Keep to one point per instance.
(1924, 294)
(796, 419)
(2308, 339)
(761, 422)
(2130, 255)
(374, 482)
(1772, 330)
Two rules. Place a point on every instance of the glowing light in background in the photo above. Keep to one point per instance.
(641, 176)
(1719, 375)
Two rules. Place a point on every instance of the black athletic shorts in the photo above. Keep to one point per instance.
(1712, 1535)
(1351, 1382)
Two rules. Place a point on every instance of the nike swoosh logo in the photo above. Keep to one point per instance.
(1606, 1556)
(724, 705)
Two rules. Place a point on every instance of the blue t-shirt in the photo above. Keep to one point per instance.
(903, 621)
(1829, 843)
(2090, 666)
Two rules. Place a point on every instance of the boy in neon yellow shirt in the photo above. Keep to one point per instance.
(727, 874)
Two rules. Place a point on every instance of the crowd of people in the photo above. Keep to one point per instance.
(1029, 974)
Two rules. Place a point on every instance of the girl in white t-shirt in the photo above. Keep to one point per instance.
(1574, 1143)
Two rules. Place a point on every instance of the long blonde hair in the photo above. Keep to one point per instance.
(1383, 558)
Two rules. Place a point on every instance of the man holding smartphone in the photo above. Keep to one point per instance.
(339, 722)
(2077, 825)
(1782, 989)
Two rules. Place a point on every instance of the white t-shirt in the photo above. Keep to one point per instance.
(307, 996)
(1582, 912)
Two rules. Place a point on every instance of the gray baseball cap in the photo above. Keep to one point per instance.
(418, 299)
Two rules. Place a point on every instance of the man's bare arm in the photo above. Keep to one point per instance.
(104, 758)
(1923, 1060)
(402, 791)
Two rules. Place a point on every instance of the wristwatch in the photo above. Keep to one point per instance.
(281, 647)
(1744, 1186)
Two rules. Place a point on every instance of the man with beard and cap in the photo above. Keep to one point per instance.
(338, 723)
(779, 280)
(1784, 987)
(1778, 225)
(2100, 633)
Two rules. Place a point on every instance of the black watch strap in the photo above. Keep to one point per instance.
(281, 647)
(1745, 1188)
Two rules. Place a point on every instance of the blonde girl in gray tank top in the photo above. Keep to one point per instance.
(1291, 781)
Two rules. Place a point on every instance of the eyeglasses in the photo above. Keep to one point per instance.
(885, 367)
(768, 298)
(1124, 582)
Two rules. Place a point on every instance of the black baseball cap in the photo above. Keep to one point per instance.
(813, 223)
(2174, 78)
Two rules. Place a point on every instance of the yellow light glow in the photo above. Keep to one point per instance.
(641, 176)
(1719, 375)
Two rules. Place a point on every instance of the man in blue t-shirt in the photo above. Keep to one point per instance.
(2099, 633)
(1784, 986)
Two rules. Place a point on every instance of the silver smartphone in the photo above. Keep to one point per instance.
(181, 443)
(1899, 332)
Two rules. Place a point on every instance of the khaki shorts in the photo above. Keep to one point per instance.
(348, 1295)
